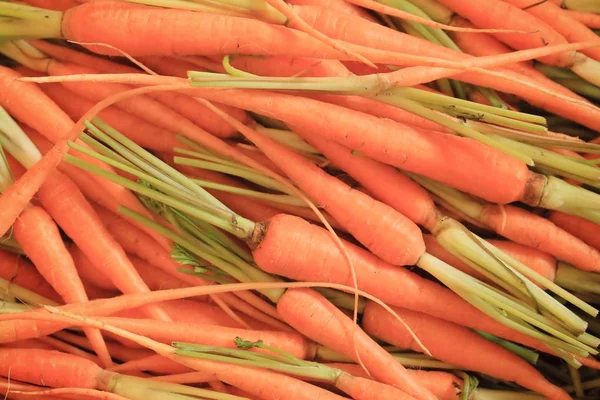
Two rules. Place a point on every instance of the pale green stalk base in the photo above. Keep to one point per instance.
(528, 355)
(581, 87)
(25, 295)
(589, 70)
(435, 10)
(561, 196)
(487, 394)
(274, 198)
(576, 280)
(26, 22)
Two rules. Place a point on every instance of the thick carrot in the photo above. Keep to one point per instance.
(67, 205)
(393, 285)
(569, 28)
(393, 143)
(39, 237)
(15, 268)
(585, 230)
(19, 98)
(136, 129)
(387, 233)
(474, 353)
(213, 335)
(309, 312)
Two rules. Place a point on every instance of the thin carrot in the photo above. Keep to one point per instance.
(337, 5)
(63, 200)
(590, 20)
(476, 353)
(15, 268)
(142, 132)
(587, 231)
(117, 350)
(302, 308)
(58, 5)
(38, 235)
(156, 364)
(571, 29)
(88, 272)
(19, 97)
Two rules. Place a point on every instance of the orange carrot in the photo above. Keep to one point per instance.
(392, 285)
(443, 384)
(136, 129)
(476, 353)
(88, 272)
(39, 237)
(18, 98)
(155, 364)
(213, 335)
(585, 230)
(571, 29)
(337, 5)
(15, 268)
(387, 233)
(58, 5)
(307, 311)
(590, 20)
(117, 350)
(67, 205)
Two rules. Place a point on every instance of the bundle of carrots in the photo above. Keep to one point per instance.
(302, 199)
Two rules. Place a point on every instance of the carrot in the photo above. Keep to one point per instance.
(67, 205)
(307, 311)
(393, 285)
(136, 129)
(443, 384)
(344, 203)
(585, 230)
(19, 97)
(155, 364)
(38, 235)
(590, 20)
(17, 269)
(88, 272)
(117, 350)
(213, 335)
(569, 28)
(30, 344)
(337, 5)
(475, 354)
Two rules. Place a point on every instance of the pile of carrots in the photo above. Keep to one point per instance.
(299, 199)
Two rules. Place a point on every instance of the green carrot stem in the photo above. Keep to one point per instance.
(492, 97)
(423, 96)
(576, 379)
(25, 295)
(341, 299)
(581, 87)
(16, 142)
(29, 22)
(275, 198)
(289, 139)
(253, 177)
(535, 139)
(482, 116)
(421, 363)
(555, 72)
(480, 295)
(554, 160)
(231, 70)
(395, 99)
(216, 159)
(434, 10)
(10, 244)
(529, 355)
(561, 196)
(574, 279)
(488, 394)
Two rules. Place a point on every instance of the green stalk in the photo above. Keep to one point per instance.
(576, 379)
(410, 361)
(253, 176)
(27, 22)
(581, 87)
(555, 72)
(341, 299)
(435, 10)
(535, 139)
(25, 295)
(561, 196)
(11, 245)
(559, 162)
(423, 96)
(16, 142)
(493, 97)
(528, 355)
(210, 157)
(393, 98)
(488, 394)
(590, 6)
(275, 198)
(576, 280)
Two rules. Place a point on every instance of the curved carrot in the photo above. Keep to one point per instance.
(457, 345)
(585, 230)
(39, 237)
(391, 284)
(63, 200)
(387, 233)
(15, 268)
(307, 311)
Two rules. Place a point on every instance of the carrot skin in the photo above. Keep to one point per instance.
(307, 311)
(586, 230)
(15, 268)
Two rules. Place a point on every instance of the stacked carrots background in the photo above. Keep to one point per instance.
(302, 199)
